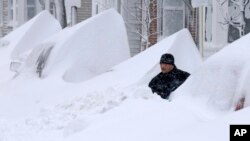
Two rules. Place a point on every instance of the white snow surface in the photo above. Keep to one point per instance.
(18, 44)
(52, 109)
(28, 35)
(216, 130)
(223, 78)
(86, 49)
(118, 105)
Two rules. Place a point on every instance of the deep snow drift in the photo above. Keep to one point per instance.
(118, 105)
(28, 36)
(17, 44)
(223, 78)
(84, 50)
(51, 109)
(142, 67)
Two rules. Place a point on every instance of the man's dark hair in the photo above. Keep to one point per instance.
(167, 59)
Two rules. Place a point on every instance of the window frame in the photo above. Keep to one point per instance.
(171, 8)
(12, 19)
(1, 13)
(29, 6)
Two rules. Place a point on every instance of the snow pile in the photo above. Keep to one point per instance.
(217, 130)
(144, 66)
(28, 35)
(222, 80)
(85, 50)
(52, 109)
(139, 120)
(118, 105)
(17, 44)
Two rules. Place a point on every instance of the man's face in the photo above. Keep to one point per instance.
(166, 68)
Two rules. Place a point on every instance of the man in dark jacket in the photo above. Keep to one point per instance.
(169, 79)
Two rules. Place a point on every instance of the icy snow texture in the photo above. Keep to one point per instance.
(217, 130)
(18, 43)
(223, 78)
(118, 105)
(51, 110)
(86, 49)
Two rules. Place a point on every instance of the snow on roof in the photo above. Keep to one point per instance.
(28, 35)
(86, 49)
(222, 79)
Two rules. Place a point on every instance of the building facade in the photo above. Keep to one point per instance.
(148, 21)
(213, 25)
(223, 22)
(14, 13)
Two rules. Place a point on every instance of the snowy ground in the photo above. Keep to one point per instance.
(118, 105)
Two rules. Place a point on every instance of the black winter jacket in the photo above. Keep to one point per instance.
(165, 83)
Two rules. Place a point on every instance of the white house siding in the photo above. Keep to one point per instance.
(132, 16)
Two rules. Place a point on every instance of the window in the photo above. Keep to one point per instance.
(12, 12)
(1, 13)
(52, 8)
(31, 9)
(239, 21)
(208, 24)
(173, 16)
(96, 9)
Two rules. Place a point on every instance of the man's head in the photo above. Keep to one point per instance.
(167, 63)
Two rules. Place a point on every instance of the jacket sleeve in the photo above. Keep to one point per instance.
(154, 84)
(185, 75)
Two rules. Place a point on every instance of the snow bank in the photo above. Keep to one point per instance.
(138, 120)
(118, 101)
(87, 49)
(144, 66)
(222, 79)
(28, 35)
(217, 130)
